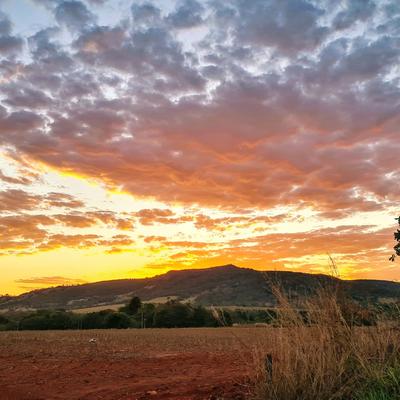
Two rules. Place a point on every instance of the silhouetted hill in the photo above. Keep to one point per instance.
(224, 285)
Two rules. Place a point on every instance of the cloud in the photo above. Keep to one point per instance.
(73, 14)
(54, 199)
(356, 10)
(100, 39)
(188, 14)
(160, 216)
(15, 200)
(146, 13)
(8, 43)
(288, 26)
(27, 233)
(23, 180)
(352, 247)
(26, 97)
(77, 221)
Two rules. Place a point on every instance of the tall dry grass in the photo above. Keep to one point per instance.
(324, 356)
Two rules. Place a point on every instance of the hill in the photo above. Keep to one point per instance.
(226, 285)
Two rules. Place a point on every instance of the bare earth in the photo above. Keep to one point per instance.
(203, 363)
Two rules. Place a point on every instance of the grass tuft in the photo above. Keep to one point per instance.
(317, 352)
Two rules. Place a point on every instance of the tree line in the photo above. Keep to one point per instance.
(134, 314)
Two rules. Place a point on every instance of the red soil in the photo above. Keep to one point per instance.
(191, 376)
(181, 375)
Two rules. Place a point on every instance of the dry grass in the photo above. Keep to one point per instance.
(87, 310)
(327, 358)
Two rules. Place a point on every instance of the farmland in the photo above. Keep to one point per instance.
(326, 360)
(331, 348)
(130, 364)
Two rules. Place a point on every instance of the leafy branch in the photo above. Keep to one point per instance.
(397, 246)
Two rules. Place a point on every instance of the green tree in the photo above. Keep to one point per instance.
(33, 323)
(45, 320)
(203, 317)
(172, 315)
(95, 320)
(4, 323)
(144, 318)
(117, 320)
(133, 306)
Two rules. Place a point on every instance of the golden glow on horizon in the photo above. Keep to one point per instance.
(164, 236)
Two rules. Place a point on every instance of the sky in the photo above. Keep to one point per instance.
(138, 137)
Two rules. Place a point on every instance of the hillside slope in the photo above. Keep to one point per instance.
(224, 285)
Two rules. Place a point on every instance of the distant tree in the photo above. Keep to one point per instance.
(397, 246)
(172, 315)
(33, 323)
(133, 306)
(144, 318)
(95, 320)
(203, 317)
(117, 320)
(45, 320)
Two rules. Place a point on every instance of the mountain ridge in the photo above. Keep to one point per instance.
(226, 285)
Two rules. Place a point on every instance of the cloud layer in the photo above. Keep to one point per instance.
(270, 103)
(234, 106)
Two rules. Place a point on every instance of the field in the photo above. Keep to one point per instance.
(202, 363)
(325, 354)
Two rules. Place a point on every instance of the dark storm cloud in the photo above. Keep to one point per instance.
(272, 103)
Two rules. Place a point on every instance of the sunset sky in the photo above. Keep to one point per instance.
(138, 137)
